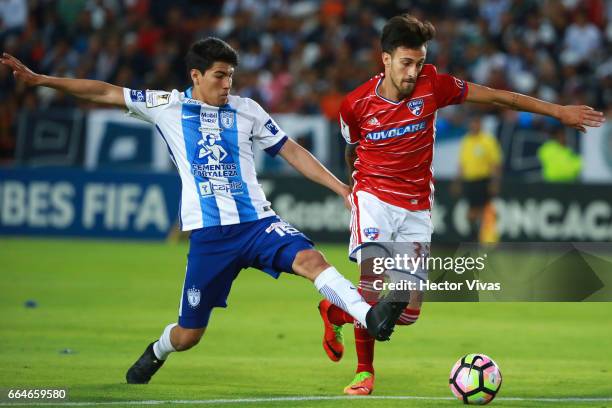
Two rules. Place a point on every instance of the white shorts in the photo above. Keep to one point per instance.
(373, 220)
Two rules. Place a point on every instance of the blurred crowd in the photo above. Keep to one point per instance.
(303, 56)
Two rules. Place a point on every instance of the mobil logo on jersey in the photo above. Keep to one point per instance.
(395, 132)
(208, 118)
(416, 106)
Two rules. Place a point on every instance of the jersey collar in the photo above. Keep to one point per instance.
(382, 97)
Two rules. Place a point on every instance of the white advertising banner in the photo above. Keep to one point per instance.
(313, 129)
(446, 159)
(118, 141)
(597, 155)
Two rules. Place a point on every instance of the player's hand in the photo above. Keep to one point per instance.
(580, 116)
(20, 71)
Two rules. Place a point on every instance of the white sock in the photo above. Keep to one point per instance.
(341, 292)
(163, 347)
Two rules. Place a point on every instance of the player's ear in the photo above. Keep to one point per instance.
(195, 75)
(386, 58)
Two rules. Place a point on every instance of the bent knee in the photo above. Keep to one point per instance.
(186, 338)
(309, 263)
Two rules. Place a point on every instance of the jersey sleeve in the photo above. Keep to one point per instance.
(146, 104)
(449, 90)
(348, 124)
(267, 135)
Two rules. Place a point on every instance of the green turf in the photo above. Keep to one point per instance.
(106, 300)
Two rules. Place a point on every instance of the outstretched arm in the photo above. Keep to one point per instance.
(94, 91)
(576, 116)
(311, 168)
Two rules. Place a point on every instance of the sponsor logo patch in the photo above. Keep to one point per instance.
(395, 132)
(271, 127)
(208, 118)
(155, 99)
(208, 188)
(137, 95)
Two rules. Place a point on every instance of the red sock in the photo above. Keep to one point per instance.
(338, 316)
(364, 344)
(408, 316)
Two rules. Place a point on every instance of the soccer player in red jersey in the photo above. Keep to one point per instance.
(389, 126)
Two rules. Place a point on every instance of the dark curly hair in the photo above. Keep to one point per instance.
(204, 53)
(407, 31)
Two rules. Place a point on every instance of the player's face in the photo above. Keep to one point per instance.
(213, 86)
(403, 66)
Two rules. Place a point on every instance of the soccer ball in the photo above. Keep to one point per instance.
(475, 379)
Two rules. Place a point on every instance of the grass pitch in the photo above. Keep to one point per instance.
(98, 304)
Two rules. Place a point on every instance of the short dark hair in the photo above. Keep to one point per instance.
(204, 53)
(405, 31)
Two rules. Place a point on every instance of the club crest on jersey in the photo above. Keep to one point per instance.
(371, 233)
(193, 297)
(416, 106)
(227, 119)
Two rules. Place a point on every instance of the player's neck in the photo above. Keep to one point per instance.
(387, 90)
(198, 96)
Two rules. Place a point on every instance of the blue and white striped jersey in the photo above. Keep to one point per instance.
(212, 148)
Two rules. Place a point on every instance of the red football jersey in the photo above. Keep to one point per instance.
(396, 139)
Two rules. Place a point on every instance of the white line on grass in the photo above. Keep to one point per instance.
(288, 399)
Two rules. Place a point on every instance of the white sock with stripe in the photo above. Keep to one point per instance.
(163, 347)
(342, 293)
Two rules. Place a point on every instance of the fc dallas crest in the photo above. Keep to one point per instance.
(416, 106)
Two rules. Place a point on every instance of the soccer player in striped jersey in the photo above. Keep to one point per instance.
(389, 126)
(210, 136)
